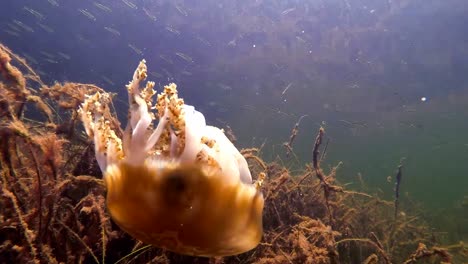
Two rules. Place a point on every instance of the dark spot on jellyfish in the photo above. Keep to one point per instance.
(176, 183)
(176, 189)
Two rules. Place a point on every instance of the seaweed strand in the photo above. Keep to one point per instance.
(327, 188)
(295, 130)
(397, 186)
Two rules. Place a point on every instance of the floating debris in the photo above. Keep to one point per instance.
(287, 88)
(87, 14)
(33, 12)
(113, 31)
(185, 57)
(102, 7)
(130, 4)
(135, 49)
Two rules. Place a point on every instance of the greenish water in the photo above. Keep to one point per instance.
(430, 135)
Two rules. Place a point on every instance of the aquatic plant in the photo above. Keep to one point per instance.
(53, 204)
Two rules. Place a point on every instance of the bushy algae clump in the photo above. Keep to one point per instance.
(53, 198)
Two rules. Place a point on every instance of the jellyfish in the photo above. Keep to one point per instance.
(172, 180)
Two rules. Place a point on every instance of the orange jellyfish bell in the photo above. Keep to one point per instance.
(181, 185)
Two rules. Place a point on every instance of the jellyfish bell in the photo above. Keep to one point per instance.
(185, 209)
(181, 185)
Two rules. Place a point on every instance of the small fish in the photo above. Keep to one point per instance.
(409, 110)
(135, 49)
(181, 10)
(113, 31)
(41, 73)
(149, 15)
(353, 123)
(29, 58)
(130, 4)
(107, 80)
(221, 109)
(224, 87)
(184, 57)
(248, 107)
(81, 38)
(287, 11)
(168, 74)
(212, 103)
(34, 12)
(172, 30)
(53, 2)
(14, 27)
(203, 41)
(63, 55)
(23, 26)
(102, 7)
(301, 39)
(166, 59)
(51, 61)
(11, 32)
(87, 14)
(46, 28)
(436, 147)
(232, 43)
(156, 75)
(186, 73)
(47, 54)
